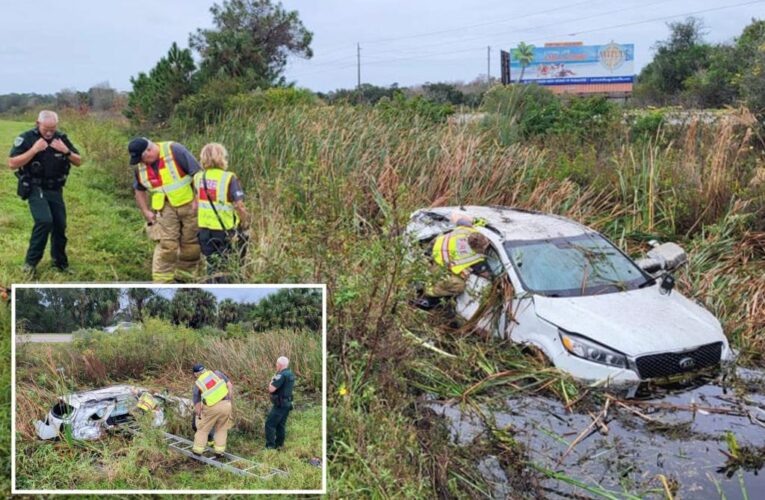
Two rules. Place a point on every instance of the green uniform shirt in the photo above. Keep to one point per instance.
(284, 381)
(50, 166)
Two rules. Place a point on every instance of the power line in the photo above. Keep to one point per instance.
(521, 30)
(459, 28)
(547, 37)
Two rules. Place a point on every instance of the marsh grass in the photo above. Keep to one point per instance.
(159, 357)
(331, 189)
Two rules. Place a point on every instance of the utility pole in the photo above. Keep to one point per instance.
(358, 66)
(488, 64)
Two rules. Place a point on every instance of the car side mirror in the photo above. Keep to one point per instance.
(663, 257)
(667, 284)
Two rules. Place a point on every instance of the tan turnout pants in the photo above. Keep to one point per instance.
(176, 254)
(218, 416)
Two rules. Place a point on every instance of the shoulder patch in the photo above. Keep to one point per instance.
(18, 141)
(277, 376)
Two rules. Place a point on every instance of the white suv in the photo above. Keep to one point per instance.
(593, 311)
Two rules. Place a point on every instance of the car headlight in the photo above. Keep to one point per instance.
(591, 351)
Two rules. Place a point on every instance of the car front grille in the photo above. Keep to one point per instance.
(672, 363)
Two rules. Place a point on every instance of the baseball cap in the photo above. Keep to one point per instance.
(136, 148)
(199, 367)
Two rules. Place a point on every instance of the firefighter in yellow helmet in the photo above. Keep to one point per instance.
(462, 251)
(211, 395)
(221, 214)
(165, 197)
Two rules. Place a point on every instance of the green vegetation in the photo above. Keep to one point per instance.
(331, 188)
(245, 52)
(105, 230)
(160, 357)
(64, 310)
(687, 70)
(331, 197)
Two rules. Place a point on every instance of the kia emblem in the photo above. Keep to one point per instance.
(687, 363)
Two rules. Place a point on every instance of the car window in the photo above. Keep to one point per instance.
(494, 262)
(573, 266)
(62, 410)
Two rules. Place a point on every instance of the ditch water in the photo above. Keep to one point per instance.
(655, 435)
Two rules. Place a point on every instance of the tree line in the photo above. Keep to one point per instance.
(64, 310)
(99, 97)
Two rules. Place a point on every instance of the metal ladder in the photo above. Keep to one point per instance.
(242, 467)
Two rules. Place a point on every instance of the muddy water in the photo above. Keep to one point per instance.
(629, 455)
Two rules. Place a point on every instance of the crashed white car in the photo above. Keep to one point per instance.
(90, 413)
(593, 311)
(122, 325)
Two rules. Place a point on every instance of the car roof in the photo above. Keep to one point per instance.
(518, 224)
(77, 399)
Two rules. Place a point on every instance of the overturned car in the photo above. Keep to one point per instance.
(593, 311)
(90, 413)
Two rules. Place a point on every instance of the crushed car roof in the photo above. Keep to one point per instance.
(517, 224)
(105, 394)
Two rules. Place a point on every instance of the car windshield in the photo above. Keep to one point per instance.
(587, 264)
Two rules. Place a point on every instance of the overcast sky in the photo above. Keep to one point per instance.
(48, 46)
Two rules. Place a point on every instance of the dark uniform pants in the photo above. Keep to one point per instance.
(217, 247)
(276, 426)
(49, 213)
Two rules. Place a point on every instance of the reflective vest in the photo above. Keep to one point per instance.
(452, 250)
(218, 182)
(212, 387)
(147, 402)
(169, 181)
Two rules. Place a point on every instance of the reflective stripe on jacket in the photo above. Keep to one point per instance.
(212, 388)
(147, 402)
(452, 250)
(168, 181)
(218, 182)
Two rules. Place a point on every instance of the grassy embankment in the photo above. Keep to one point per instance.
(105, 240)
(159, 358)
(105, 230)
(332, 187)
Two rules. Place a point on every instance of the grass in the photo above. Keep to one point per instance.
(160, 359)
(330, 198)
(105, 230)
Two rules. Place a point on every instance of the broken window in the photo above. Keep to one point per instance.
(573, 266)
(62, 410)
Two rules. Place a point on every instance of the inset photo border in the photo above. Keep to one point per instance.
(112, 387)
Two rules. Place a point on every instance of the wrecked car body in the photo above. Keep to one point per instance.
(90, 413)
(593, 311)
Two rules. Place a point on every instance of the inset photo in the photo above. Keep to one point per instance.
(176, 389)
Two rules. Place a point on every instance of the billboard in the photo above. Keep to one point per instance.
(568, 65)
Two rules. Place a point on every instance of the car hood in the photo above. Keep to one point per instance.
(636, 322)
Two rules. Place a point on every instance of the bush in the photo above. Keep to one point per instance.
(586, 118)
(519, 112)
(646, 125)
(414, 108)
(219, 97)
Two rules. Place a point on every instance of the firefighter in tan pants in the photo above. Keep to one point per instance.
(212, 405)
(164, 194)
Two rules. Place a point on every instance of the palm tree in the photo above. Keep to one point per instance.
(524, 54)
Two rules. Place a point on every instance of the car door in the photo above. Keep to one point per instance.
(477, 300)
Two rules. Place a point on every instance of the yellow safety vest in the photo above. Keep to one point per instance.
(169, 181)
(147, 402)
(453, 250)
(212, 387)
(218, 182)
